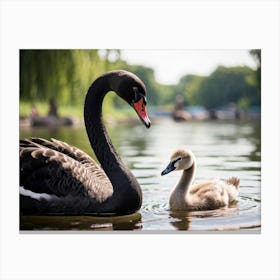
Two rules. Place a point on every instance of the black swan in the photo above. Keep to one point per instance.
(57, 178)
(207, 195)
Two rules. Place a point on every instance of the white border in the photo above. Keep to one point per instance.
(139, 24)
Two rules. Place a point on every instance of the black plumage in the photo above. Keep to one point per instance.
(57, 178)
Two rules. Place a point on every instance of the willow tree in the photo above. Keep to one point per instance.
(63, 74)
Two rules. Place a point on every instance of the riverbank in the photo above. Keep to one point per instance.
(31, 112)
(127, 115)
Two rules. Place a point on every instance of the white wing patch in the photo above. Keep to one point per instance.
(34, 195)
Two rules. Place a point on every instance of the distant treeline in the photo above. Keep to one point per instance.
(237, 85)
(67, 75)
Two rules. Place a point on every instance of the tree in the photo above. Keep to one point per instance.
(63, 74)
(256, 53)
(223, 86)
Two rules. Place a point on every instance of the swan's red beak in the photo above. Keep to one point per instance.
(140, 109)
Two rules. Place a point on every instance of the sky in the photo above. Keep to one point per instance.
(171, 65)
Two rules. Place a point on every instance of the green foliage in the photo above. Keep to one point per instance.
(43, 107)
(243, 103)
(188, 87)
(257, 54)
(223, 86)
(67, 75)
(63, 74)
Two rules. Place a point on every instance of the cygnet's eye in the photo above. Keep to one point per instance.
(176, 161)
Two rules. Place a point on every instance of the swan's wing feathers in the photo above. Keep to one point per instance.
(49, 171)
(214, 193)
(233, 181)
(64, 148)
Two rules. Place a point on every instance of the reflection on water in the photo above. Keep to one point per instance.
(222, 149)
(127, 222)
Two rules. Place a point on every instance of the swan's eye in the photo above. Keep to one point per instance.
(144, 99)
(176, 160)
(137, 96)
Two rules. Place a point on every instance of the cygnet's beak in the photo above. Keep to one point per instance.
(170, 167)
(140, 109)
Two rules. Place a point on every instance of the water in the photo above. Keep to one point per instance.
(222, 149)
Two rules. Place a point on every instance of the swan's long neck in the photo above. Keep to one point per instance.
(178, 197)
(127, 192)
(98, 136)
(186, 179)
